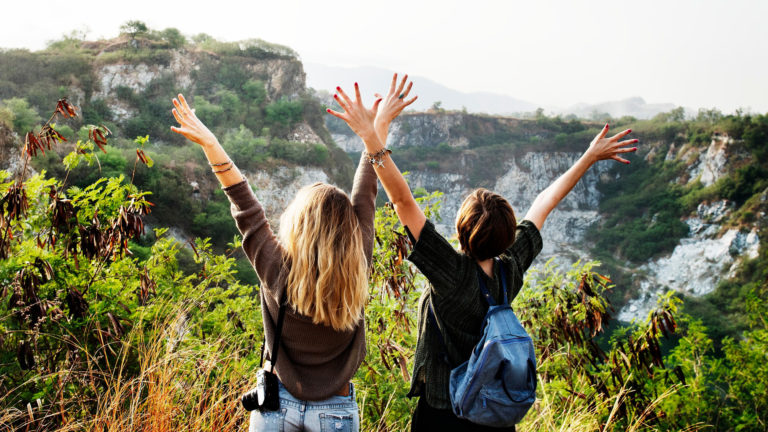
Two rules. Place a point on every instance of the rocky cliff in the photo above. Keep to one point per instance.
(710, 253)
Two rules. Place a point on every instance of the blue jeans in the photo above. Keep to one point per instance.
(335, 414)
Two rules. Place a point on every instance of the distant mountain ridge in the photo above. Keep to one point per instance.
(326, 78)
(323, 77)
(636, 107)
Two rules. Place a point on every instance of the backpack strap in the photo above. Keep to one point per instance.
(484, 289)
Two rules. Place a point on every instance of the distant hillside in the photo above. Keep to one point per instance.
(322, 77)
(635, 107)
(326, 78)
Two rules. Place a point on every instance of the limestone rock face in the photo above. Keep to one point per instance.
(714, 163)
(276, 189)
(425, 130)
(10, 150)
(282, 77)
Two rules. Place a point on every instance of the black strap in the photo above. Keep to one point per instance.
(278, 331)
(432, 316)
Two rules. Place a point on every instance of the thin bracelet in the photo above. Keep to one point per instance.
(378, 157)
(219, 164)
(223, 170)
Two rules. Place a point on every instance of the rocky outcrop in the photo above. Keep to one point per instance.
(714, 163)
(11, 158)
(275, 189)
(697, 264)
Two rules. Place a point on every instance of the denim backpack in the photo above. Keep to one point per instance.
(497, 385)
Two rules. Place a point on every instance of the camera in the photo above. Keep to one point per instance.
(266, 395)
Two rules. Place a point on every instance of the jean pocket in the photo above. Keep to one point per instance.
(330, 422)
(267, 421)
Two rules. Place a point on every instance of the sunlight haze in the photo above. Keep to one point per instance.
(552, 54)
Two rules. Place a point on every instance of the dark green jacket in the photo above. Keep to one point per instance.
(460, 307)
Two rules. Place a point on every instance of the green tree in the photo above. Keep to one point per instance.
(20, 114)
(174, 37)
(134, 29)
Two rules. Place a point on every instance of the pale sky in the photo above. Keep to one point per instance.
(694, 53)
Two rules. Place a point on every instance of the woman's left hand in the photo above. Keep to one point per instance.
(359, 118)
(394, 103)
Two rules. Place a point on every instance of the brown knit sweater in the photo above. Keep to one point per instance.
(315, 361)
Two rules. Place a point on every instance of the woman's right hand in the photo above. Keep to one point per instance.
(191, 126)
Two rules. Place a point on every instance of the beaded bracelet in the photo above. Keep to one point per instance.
(215, 171)
(378, 157)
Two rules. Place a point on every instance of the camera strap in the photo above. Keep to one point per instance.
(278, 332)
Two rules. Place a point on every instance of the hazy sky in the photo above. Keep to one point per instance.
(695, 53)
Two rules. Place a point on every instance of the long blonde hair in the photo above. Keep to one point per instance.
(327, 278)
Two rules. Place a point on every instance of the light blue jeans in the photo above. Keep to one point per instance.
(335, 414)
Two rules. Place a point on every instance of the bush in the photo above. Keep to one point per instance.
(20, 114)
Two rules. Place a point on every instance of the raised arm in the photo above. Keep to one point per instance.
(259, 242)
(601, 148)
(194, 130)
(363, 122)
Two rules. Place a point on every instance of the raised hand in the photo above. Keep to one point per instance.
(610, 148)
(191, 126)
(359, 118)
(393, 104)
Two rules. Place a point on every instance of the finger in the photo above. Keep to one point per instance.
(377, 95)
(336, 114)
(394, 83)
(402, 84)
(627, 142)
(344, 95)
(184, 103)
(357, 94)
(341, 103)
(177, 130)
(375, 107)
(621, 135)
(626, 150)
(602, 133)
(177, 105)
(620, 159)
(410, 101)
(176, 115)
(408, 89)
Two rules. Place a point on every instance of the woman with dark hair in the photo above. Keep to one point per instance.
(317, 266)
(491, 242)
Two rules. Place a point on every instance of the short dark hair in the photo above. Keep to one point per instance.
(485, 224)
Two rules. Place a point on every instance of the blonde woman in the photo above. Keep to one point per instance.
(320, 260)
(491, 240)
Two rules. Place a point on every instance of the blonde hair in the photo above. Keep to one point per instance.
(327, 278)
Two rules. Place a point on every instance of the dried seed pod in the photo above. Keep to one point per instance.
(78, 307)
(25, 356)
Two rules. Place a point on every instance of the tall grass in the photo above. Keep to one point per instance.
(178, 387)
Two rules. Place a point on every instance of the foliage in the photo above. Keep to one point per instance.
(19, 115)
(134, 28)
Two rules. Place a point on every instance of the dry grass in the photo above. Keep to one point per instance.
(177, 389)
